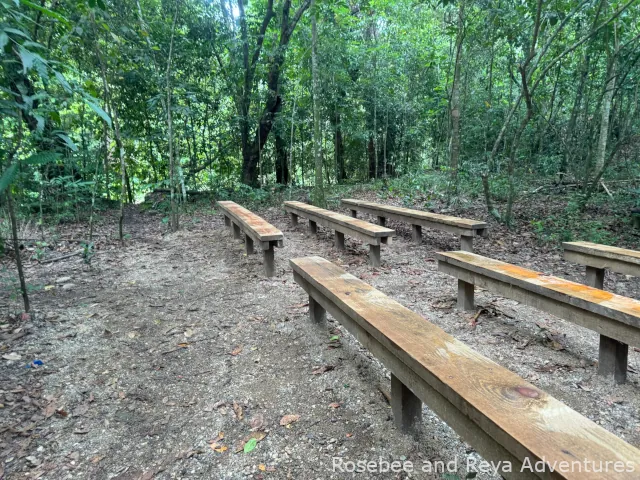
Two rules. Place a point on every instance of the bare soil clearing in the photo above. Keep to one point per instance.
(162, 358)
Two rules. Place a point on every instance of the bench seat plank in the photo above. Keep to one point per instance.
(472, 227)
(261, 230)
(622, 309)
(518, 416)
(255, 229)
(594, 255)
(360, 226)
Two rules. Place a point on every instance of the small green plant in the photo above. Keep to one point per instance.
(40, 250)
(87, 252)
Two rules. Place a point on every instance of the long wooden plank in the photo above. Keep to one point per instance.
(418, 217)
(366, 228)
(610, 305)
(603, 256)
(524, 420)
(262, 230)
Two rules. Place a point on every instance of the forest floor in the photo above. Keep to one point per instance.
(162, 358)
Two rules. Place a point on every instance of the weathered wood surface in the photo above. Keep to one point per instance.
(368, 232)
(623, 309)
(255, 229)
(502, 415)
(253, 225)
(616, 259)
(462, 226)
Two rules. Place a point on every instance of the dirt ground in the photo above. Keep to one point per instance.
(172, 356)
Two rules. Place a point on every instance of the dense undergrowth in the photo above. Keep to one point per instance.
(552, 211)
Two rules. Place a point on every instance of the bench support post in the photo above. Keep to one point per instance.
(374, 255)
(248, 244)
(466, 243)
(317, 314)
(294, 219)
(236, 231)
(416, 233)
(595, 277)
(406, 407)
(339, 240)
(612, 354)
(313, 227)
(382, 221)
(269, 261)
(227, 221)
(465, 296)
(354, 213)
(612, 359)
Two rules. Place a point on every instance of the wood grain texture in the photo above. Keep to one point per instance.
(523, 419)
(617, 307)
(251, 224)
(408, 214)
(606, 251)
(603, 256)
(337, 219)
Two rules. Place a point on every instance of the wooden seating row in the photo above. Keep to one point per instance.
(614, 317)
(372, 234)
(255, 229)
(597, 258)
(505, 418)
(467, 229)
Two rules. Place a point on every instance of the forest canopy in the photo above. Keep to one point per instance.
(108, 100)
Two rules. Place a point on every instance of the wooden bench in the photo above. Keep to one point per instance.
(367, 232)
(614, 317)
(464, 227)
(238, 219)
(597, 258)
(505, 418)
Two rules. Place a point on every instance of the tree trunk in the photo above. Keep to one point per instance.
(610, 86)
(16, 249)
(175, 219)
(318, 195)
(455, 102)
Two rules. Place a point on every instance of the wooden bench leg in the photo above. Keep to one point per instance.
(406, 407)
(339, 240)
(236, 231)
(269, 261)
(382, 221)
(466, 243)
(317, 314)
(595, 277)
(227, 221)
(465, 296)
(313, 228)
(416, 233)
(248, 244)
(374, 255)
(294, 219)
(612, 359)
(354, 213)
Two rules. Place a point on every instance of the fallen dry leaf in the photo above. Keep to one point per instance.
(257, 422)
(323, 369)
(238, 411)
(289, 419)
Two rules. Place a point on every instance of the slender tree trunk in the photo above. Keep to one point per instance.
(291, 170)
(16, 249)
(610, 86)
(172, 161)
(318, 199)
(455, 102)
